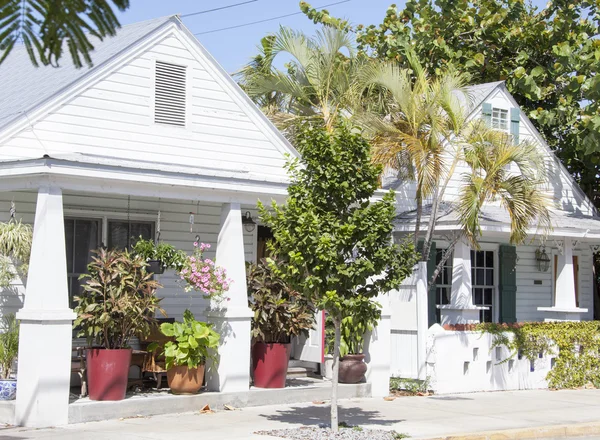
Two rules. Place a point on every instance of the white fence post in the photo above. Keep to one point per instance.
(422, 320)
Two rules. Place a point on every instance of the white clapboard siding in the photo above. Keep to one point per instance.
(175, 229)
(561, 189)
(115, 117)
(404, 354)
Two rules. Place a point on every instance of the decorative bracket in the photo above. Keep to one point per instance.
(560, 244)
(595, 248)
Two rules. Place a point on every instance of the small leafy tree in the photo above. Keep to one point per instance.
(335, 242)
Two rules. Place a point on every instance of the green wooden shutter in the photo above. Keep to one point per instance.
(515, 115)
(486, 111)
(431, 264)
(508, 283)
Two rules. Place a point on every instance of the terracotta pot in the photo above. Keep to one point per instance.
(107, 373)
(184, 380)
(270, 364)
(352, 368)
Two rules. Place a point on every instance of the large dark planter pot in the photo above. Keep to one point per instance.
(184, 380)
(352, 368)
(156, 266)
(107, 372)
(270, 364)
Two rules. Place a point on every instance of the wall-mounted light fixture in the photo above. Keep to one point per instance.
(248, 222)
(542, 259)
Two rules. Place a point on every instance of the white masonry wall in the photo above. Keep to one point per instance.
(463, 362)
(175, 229)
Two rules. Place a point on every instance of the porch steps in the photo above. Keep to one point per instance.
(294, 372)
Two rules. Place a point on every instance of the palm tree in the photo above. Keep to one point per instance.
(419, 128)
(318, 82)
(411, 124)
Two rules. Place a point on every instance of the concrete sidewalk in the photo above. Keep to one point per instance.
(418, 417)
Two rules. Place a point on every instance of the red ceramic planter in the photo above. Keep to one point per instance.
(270, 364)
(107, 372)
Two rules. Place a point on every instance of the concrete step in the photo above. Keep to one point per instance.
(298, 371)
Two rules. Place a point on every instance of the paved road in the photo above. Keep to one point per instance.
(419, 417)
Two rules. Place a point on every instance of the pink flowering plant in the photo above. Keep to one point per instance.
(202, 275)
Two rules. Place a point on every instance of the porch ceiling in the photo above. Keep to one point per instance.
(496, 219)
(82, 172)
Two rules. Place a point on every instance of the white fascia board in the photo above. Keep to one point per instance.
(145, 183)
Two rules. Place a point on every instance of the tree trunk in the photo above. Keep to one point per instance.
(334, 378)
(440, 265)
(418, 219)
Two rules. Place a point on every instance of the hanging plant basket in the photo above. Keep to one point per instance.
(156, 266)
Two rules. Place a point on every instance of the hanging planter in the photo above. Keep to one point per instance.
(156, 266)
(159, 256)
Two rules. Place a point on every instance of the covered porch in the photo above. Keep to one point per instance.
(96, 197)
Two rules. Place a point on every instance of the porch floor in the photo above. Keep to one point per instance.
(155, 402)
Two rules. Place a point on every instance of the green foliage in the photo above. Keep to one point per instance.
(279, 310)
(194, 342)
(549, 59)
(399, 435)
(9, 344)
(363, 315)
(117, 301)
(48, 27)
(334, 242)
(577, 361)
(15, 248)
(167, 254)
(412, 386)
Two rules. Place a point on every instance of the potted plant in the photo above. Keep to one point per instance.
(9, 348)
(15, 248)
(192, 342)
(203, 275)
(117, 302)
(279, 313)
(363, 315)
(159, 256)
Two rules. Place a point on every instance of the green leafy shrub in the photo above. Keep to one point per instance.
(411, 386)
(576, 346)
(192, 342)
(117, 301)
(167, 254)
(15, 248)
(279, 310)
(363, 315)
(9, 344)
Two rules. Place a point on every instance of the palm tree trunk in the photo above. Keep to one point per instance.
(418, 219)
(445, 257)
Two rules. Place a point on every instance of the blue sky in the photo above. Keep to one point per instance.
(232, 48)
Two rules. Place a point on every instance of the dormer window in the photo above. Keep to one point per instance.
(170, 94)
(500, 119)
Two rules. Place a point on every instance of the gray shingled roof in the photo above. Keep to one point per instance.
(492, 215)
(25, 86)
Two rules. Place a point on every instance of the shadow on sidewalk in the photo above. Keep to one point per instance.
(449, 398)
(315, 415)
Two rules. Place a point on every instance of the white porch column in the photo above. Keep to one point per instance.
(378, 347)
(44, 369)
(565, 304)
(422, 320)
(461, 309)
(232, 318)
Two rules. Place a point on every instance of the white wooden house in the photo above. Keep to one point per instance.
(91, 157)
(499, 282)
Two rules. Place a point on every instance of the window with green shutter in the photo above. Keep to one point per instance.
(508, 283)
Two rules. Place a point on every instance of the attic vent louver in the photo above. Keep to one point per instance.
(170, 94)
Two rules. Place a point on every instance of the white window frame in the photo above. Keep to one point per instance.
(493, 247)
(501, 109)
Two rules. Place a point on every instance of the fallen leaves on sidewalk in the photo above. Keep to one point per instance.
(389, 398)
(206, 410)
(230, 408)
(318, 402)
